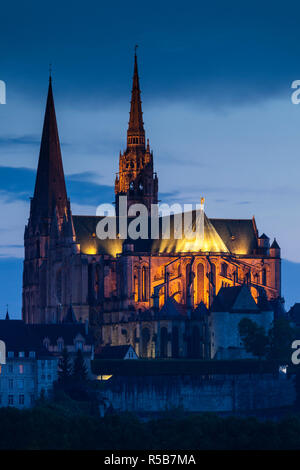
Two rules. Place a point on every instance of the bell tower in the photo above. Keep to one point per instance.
(136, 178)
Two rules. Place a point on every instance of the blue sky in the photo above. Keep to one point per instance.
(217, 108)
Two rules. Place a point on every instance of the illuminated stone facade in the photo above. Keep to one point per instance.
(153, 294)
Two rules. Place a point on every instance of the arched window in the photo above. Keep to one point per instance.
(264, 277)
(187, 279)
(144, 284)
(213, 274)
(136, 288)
(224, 269)
(200, 283)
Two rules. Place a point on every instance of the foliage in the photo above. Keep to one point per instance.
(67, 425)
(254, 338)
(65, 368)
(274, 346)
(73, 378)
(280, 337)
(79, 372)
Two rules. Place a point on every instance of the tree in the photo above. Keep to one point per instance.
(254, 338)
(65, 368)
(79, 373)
(281, 336)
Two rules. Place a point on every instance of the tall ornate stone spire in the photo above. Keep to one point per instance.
(136, 178)
(50, 188)
(136, 132)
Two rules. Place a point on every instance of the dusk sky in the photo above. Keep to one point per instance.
(216, 90)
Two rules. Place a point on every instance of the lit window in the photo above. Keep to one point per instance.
(21, 354)
(21, 369)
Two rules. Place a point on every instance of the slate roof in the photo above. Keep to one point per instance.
(275, 244)
(227, 297)
(172, 309)
(200, 312)
(19, 337)
(70, 316)
(67, 331)
(237, 236)
(113, 352)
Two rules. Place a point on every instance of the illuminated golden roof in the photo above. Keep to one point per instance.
(209, 242)
(236, 236)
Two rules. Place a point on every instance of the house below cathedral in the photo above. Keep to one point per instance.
(154, 294)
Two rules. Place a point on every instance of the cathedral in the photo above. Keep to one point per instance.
(155, 294)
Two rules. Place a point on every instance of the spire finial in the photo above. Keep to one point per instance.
(135, 48)
(7, 315)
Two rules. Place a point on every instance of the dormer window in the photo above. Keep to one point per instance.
(10, 354)
(60, 344)
(21, 354)
(46, 343)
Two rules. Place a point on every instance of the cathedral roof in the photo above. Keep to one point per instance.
(235, 236)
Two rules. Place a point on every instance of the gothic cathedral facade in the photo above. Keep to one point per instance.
(155, 295)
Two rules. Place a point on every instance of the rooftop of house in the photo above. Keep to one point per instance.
(19, 337)
(114, 352)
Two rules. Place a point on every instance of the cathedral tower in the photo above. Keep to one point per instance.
(50, 221)
(136, 178)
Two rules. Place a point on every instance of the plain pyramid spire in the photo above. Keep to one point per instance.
(50, 188)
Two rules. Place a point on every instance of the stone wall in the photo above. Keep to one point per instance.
(153, 394)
